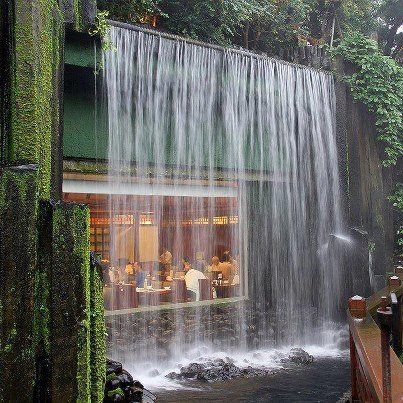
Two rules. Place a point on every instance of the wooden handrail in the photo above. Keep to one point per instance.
(366, 354)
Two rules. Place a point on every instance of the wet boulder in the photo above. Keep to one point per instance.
(115, 395)
(113, 367)
(216, 370)
(125, 379)
(300, 357)
(121, 387)
(133, 394)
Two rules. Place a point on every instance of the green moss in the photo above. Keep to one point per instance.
(81, 232)
(111, 377)
(78, 14)
(18, 210)
(117, 391)
(97, 334)
(34, 111)
(42, 278)
(71, 303)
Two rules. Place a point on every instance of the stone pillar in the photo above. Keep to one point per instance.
(42, 317)
(70, 304)
(79, 14)
(18, 258)
(35, 58)
(97, 333)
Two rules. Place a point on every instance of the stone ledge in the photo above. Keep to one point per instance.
(182, 305)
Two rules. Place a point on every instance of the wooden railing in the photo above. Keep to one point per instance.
(376, 371)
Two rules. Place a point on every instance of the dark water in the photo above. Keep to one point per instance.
(326, 380)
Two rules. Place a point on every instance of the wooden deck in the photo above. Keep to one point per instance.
(366, 353)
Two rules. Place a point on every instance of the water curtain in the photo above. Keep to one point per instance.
(225, 123)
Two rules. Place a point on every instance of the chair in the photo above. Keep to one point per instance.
(120, 297)
(179, 290)
(205, 289)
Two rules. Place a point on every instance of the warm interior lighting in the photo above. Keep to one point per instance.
(121, 219)
(147, 219)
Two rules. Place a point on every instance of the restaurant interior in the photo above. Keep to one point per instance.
(164, 250)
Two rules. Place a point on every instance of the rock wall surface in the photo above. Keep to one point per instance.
(365, 183)
(51, 306)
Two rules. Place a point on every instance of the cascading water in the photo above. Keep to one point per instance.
(196, 124)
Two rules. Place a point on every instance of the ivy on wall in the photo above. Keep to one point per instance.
(397, 201)
(377, 81)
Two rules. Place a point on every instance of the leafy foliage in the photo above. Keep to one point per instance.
(266, 25)
(397, 201)
(131, 11)
(101, 28)
(378, 83)
(211, 20)
(390, 17)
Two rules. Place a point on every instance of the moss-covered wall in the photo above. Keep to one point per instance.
(97, 334)
(18, 261)
(50, 301)
(4, 73)
(36, 32)
(70, 305)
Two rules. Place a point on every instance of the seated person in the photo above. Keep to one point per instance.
(186, 264)
(226, 268)
(192, 277)
(214, 267)
(131, 269)
(140, 275)
(165, 259)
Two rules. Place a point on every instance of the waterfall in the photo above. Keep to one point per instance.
(205, 130)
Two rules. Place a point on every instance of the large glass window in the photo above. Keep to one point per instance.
(165, 250)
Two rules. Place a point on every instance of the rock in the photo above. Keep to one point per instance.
(300, 356)
(113, 366)
(120, 385)
(138, 384)
(216, 370)
(115, 395)
(133, 394)
(192, 370)
(125, 379)
(112, 384)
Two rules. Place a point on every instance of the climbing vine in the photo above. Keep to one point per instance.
(101, 29)
(397, 201)
(378, 83)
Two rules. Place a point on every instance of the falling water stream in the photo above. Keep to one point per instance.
(197, 125)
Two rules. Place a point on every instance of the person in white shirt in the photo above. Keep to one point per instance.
(192, 277)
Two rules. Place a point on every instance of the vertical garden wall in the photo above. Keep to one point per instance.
(52, 345)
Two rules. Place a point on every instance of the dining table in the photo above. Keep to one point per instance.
(153, 297)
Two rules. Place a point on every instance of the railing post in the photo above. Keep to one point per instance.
(358, 310)
(396, 323)
(384, 314)
(353, 370)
